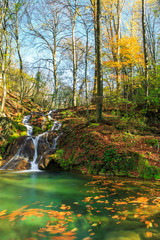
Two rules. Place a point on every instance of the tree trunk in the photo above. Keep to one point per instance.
(145, 47)
(4, 84)
(99, 64)
(21, 74)
(55, 72)
(3, 53)
(4, 70)
(95, 73)
(118, 70)
(86, 69)
(74, 63)
(20, 59)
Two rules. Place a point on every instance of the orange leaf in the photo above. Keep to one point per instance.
(148, 234)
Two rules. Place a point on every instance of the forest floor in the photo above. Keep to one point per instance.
(116, 141)
(119, 144)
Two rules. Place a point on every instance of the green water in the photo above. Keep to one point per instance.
(67, 206)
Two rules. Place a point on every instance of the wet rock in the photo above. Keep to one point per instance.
(47, 163)
(23, 165)
(51, 136)
(42, 147)
(19, 153)
(27, 149)
(17, 163)
(13, 147)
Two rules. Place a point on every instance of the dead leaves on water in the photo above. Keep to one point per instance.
(101, 198)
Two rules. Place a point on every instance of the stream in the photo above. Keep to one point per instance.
(24, 151)
(67, 206)
(37, 205)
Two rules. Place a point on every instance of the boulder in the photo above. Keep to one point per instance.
(22, 165)
(13, 147)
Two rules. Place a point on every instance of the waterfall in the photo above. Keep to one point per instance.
(34, 165)
(29, 128)
(20, 155)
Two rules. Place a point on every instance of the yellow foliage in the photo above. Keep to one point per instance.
(130, 53)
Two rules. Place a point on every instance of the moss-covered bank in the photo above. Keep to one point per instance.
(101, 148)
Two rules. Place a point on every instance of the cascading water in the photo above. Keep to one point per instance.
(56, 127)
(35, 140)
(29, 128)
(34, 165)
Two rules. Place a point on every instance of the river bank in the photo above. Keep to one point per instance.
(114, 147)
(118, 145)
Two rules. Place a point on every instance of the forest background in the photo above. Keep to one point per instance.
(48, 52)
(94, 61)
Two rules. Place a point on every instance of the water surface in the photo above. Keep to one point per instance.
(67, 206)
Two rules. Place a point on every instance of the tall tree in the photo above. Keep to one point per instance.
(99, 63)
(94, 13)
(145, 47)
(73, 10)
(49, 16)
(112, 18)
(16, 18)
(4, 6)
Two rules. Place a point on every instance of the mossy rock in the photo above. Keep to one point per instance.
(148, 171)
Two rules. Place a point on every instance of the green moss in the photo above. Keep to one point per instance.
(117, 162)
(58, 157)
(37, 130)
(24, 133)
(94, 125)
(12, 137)
(48, 125)
(151, 142)
(147, 171)
(68, 113)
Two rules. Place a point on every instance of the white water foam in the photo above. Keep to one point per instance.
(29, 127)
(34, 165)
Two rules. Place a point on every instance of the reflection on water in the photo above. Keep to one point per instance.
(66, 206)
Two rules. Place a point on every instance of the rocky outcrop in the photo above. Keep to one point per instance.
(46, 163)
(23, 151)
(19, 154)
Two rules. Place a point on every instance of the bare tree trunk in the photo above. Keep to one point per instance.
(99, 64)
(3, 53)
(118, 70)
(74, 63)
(4, 84)
(55, 72)
(95, 73)
(145, 47)
(16, 32)
(86, 69)
(21, 73)
(4, 70)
